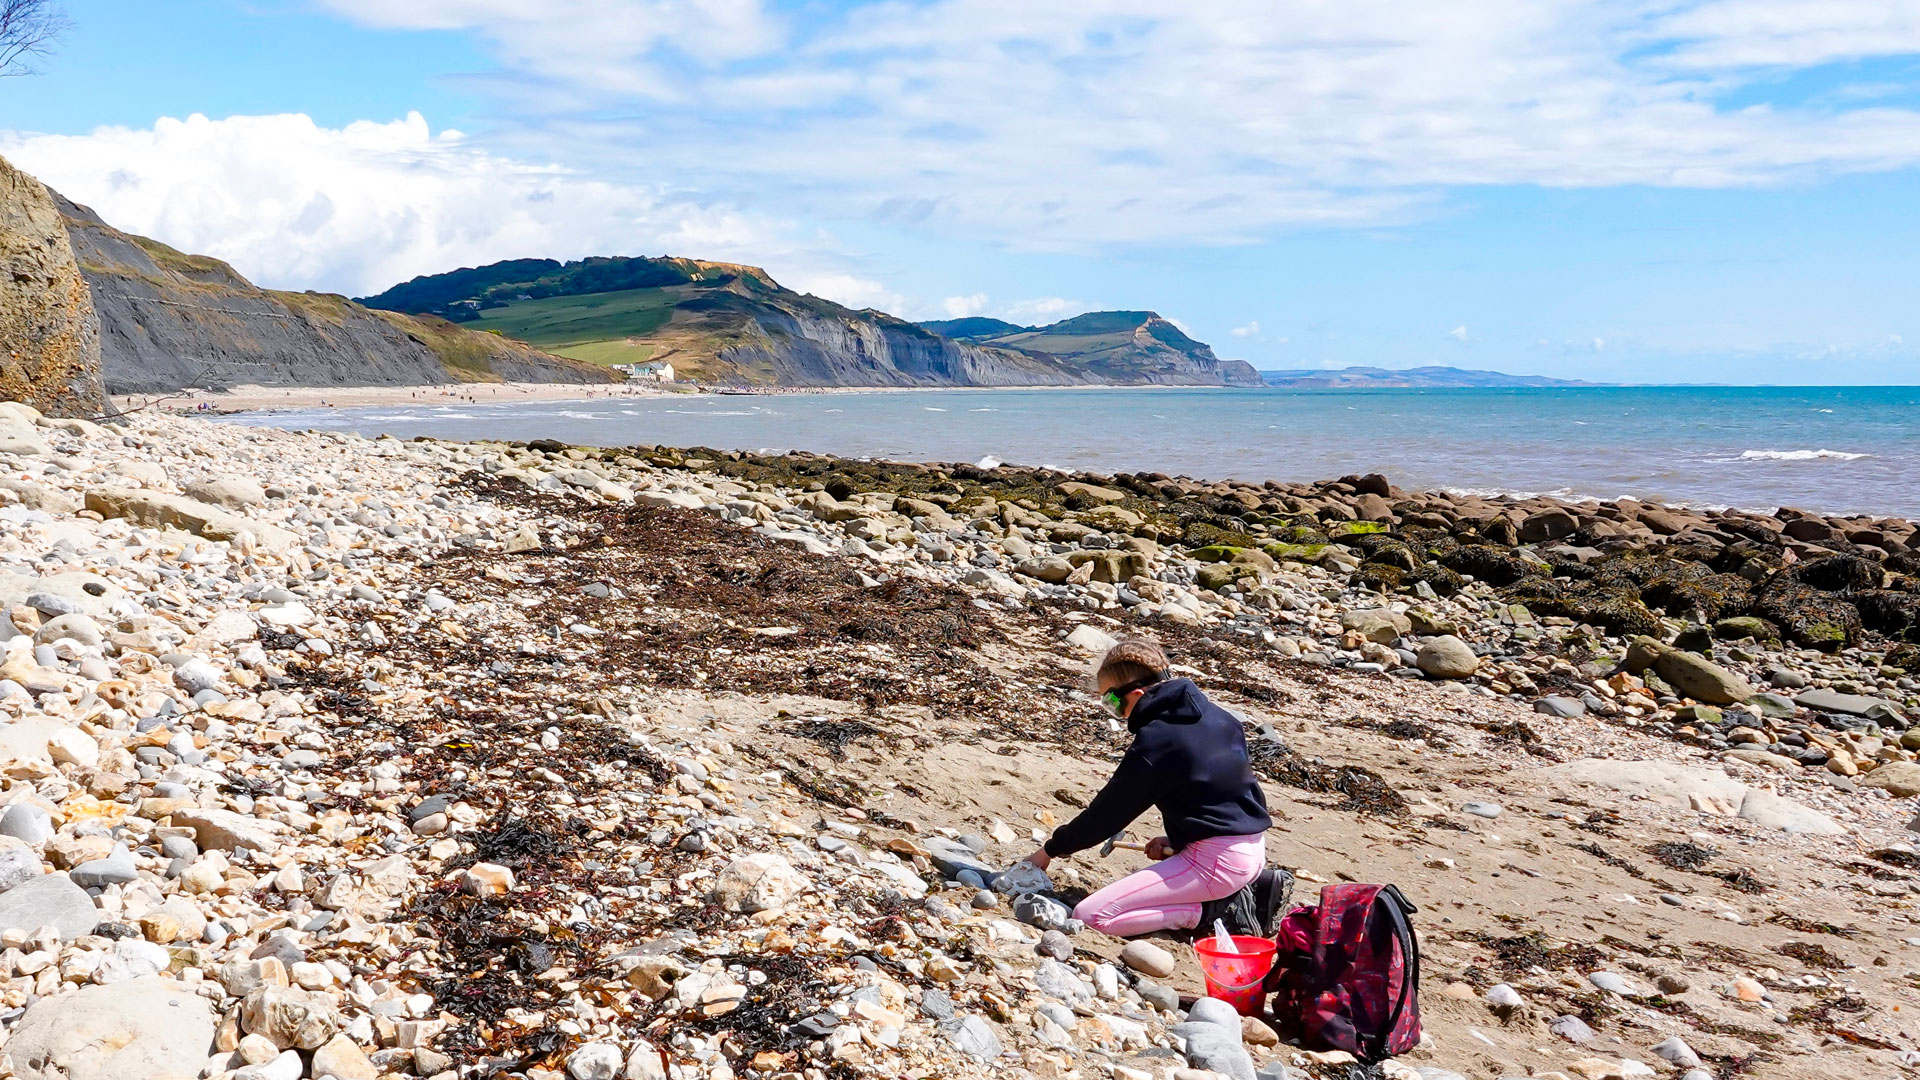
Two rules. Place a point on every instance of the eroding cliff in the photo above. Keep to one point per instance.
(170, 320)
(49, 334)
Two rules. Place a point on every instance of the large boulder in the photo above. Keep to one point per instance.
(1447, 657)
(1691, 674)
(151, 1028)
(159, 510)
(1897, 778)
(1701, 679)
(49, 331)
(1377, 624)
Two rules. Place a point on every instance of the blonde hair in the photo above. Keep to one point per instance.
(1135, 660)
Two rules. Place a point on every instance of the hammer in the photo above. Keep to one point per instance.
(1114, 841)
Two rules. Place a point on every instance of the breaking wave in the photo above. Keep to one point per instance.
(1800, 455)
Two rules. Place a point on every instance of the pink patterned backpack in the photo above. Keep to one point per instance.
(1347, 976)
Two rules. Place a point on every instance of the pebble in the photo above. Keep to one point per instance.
(1571, 1028)
(1148, 959)
(1483, 809)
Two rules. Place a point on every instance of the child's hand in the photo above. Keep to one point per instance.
(1159, 848)
(1040, 858)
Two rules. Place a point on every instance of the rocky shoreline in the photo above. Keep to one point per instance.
(358, 757)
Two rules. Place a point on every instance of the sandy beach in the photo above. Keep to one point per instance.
(249, 398)
(412, 757)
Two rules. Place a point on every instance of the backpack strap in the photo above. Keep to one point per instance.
(1391, 900)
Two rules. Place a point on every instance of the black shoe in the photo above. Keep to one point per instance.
(1272, 897)
(1236, 912)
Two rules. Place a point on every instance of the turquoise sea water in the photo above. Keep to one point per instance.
(1832, 449)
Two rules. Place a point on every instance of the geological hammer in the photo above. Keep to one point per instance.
(1114, 841)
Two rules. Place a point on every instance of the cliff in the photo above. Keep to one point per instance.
(1125, 347)
(170, 320)
(728, 323)
(49, 334)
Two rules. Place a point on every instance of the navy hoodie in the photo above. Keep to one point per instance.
(1189, 758)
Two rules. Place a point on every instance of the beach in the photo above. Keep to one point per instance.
(409, 757)
(281, 398)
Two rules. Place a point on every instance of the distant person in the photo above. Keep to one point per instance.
(1189, 759)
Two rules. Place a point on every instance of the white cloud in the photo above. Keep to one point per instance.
(1599, 344)
(1249, 330)
(959, 307)
(1041, 309)
(1788, 33)
(292, 204)
(1202, 123)
(851, 290)
(1458, 333)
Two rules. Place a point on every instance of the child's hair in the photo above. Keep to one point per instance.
(1135, 660)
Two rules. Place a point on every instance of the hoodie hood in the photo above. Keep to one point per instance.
(1176, 701)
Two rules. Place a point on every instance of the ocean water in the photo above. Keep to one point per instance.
(1829, 449)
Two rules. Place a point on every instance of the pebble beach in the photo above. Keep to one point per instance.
(329, 755)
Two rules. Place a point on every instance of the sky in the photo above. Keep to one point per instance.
(1614, 190)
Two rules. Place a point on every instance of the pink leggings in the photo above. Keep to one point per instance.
(1168, 894)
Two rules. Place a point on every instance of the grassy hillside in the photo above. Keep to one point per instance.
(562, 322)
(973, 328)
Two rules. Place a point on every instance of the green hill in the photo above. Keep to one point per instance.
(973, 328)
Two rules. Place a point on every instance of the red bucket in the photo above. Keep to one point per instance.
(1237, 979)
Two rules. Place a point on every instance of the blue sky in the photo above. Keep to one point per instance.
(1628, 190)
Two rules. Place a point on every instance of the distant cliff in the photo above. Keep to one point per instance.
(727, 323)
(1422, 378)
(1125, 347)
(170, 320)
(49, 335)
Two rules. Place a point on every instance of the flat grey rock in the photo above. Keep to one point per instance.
(1835, 702)
(50, 900)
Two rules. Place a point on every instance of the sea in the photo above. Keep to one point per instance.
(1835, 450)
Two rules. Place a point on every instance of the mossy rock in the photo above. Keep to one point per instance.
(1442, 581)
(1380, 577)
(1620, 613)
(1492, 565)
(1391, 552)
(1240, 556)
(1891, 612)
(1840, 573)
(1305, 535)
(1539, 593)
(1305, 553)
(1356, 528)
(1202, 534)
(1742, 627)
(1807, 616)
(1700, 592)
(1217, 576)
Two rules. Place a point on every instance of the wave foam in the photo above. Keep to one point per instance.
(1800, 455)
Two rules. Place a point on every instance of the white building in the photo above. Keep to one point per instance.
(655, 370)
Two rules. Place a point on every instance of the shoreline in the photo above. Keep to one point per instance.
(269, 399)
(724, 746)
